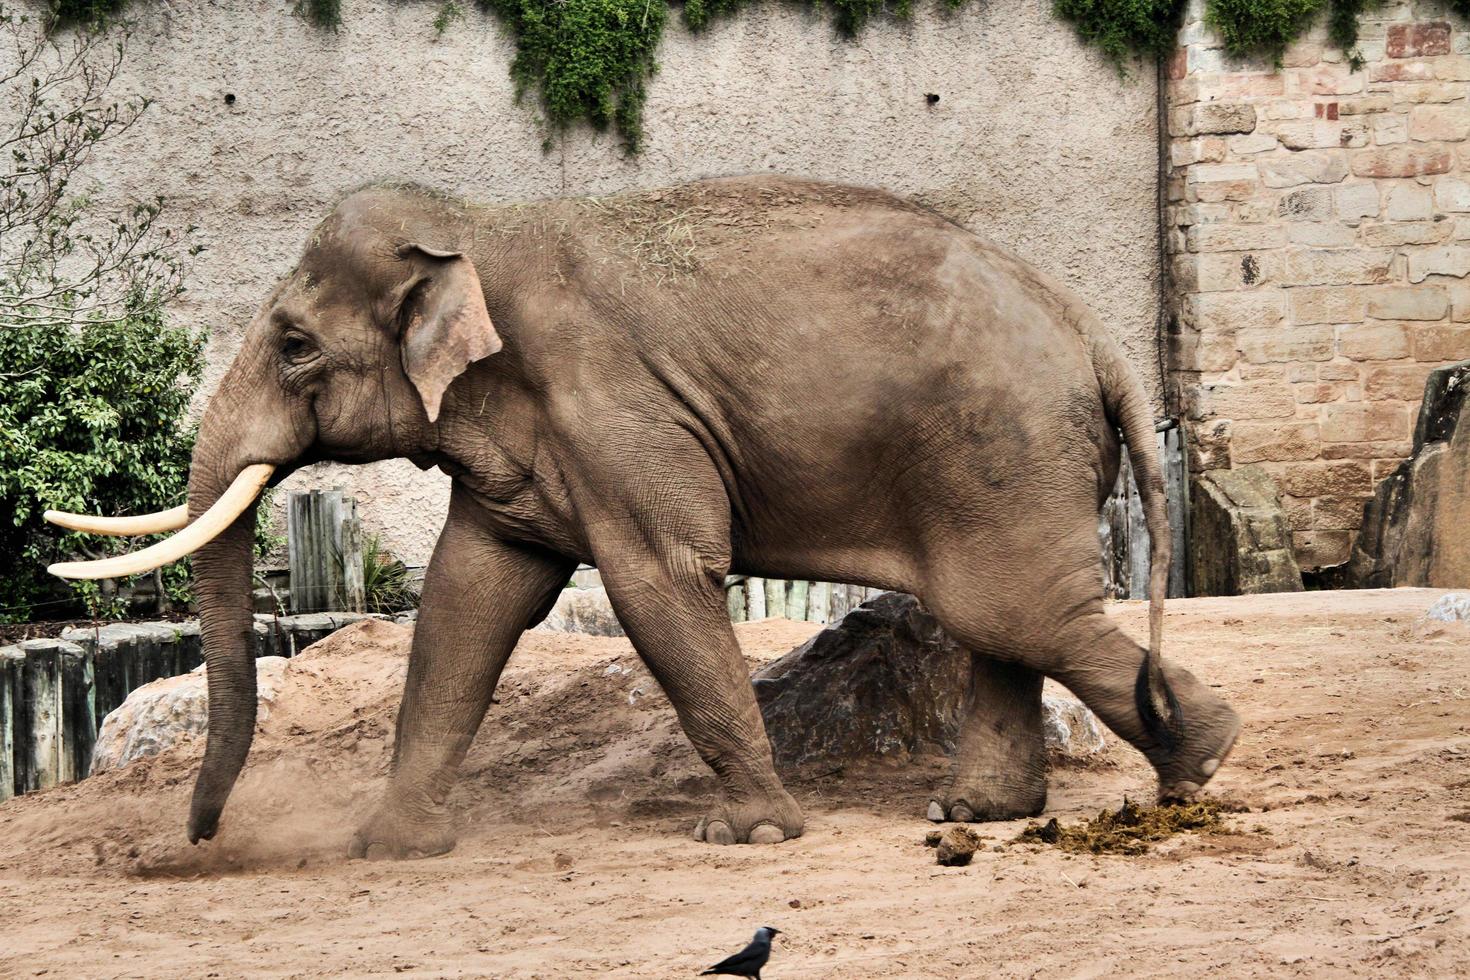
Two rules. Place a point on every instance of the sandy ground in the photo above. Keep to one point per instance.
(579, 794)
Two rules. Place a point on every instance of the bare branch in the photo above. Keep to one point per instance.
(61, 262)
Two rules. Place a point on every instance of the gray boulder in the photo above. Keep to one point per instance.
(158, 714)
(582, 611)
(1415, 527)
(886, 680)
(1241, 542)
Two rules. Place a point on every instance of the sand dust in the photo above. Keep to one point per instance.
(579, 794)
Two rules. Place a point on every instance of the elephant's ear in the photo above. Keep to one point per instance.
(446, 326)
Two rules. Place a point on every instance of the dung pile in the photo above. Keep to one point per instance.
(1131, 828)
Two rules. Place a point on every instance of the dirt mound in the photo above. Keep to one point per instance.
(577, 799)
(593, 739)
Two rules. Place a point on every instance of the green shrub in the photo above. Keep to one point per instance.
(385, 580)
(587, 59)
(92, 419)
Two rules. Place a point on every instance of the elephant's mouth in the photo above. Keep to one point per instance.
(240, 495)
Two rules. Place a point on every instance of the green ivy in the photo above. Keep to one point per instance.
(589, 59)
(322, 13)
(85, 11)
(1122, 28)
(1260, 26)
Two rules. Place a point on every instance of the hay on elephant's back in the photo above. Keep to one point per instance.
(671, 233)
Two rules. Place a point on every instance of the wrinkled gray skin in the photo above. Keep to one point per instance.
(757, 375)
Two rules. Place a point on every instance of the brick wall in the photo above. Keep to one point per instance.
(1319, 234)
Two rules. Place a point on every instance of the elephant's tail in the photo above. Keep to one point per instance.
(1127, 407)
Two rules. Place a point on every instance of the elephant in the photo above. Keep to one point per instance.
(761, 375)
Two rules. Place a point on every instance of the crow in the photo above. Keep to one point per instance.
(749, 961)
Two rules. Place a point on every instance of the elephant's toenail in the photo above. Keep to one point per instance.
(960, 813)
(936, 812)
(767, 834)
(718, 832)
(1209, 766)
(699, 829)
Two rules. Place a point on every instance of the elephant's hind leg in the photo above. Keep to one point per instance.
(1042, 608)
(1000, 769)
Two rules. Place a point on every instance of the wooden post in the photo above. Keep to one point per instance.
(796, 600)
(819, 602)
(1123, 531)
(755, 598)
(775, 597)
(1176, 489)
(38, 735)
(735, 602)
(354, 594)
(10, 660)
(324, 551)
(78, 714)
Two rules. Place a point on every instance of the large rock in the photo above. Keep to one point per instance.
(582, 611)
(158, 714)
(1416, 529)
(1240, 542)
(887, 679)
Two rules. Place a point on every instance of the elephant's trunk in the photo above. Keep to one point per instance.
(223, 568)
(222, 573)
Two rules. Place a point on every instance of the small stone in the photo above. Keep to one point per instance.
(956, 846)
(1452, 608)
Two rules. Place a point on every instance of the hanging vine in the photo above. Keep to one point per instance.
(591, 60)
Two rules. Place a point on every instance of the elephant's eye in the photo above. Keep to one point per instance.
(297, 348)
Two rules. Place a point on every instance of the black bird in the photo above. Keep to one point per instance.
(749, 961)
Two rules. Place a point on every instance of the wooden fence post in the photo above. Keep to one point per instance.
(775, 597)
(11, 660)
(755, 598)
(324, 551)
(735, 602)
(796, 599)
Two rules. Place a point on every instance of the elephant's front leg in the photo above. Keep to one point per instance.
(672, 605)
(662, 544)
(480, 594)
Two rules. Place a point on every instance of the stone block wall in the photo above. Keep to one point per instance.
(1318, 228)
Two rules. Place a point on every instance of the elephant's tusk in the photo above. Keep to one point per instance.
(230, 505)
(165, 520)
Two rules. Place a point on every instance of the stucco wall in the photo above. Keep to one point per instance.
(1035, 141)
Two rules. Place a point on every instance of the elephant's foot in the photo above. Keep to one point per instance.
(979, 800)
(765, 820)
(1210, 729)
(392, 834)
